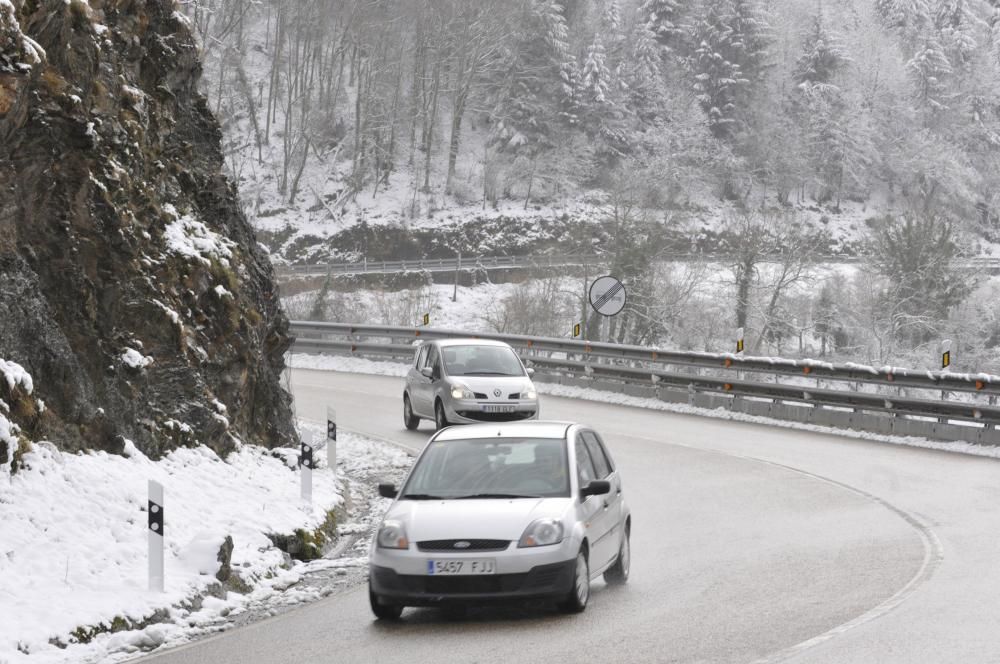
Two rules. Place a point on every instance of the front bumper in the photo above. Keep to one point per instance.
(462, 411)
(550, 581)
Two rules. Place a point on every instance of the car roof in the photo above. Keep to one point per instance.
(468, 342)
(533, 429)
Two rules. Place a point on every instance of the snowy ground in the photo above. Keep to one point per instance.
(73, 543)
(361, 365)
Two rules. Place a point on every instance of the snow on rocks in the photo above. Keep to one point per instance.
(134, 359)
(15, 375)
(189, 237)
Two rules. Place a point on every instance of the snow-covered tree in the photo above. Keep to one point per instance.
(663, 19)
(729, 57)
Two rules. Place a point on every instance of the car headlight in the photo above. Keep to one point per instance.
(529, 393)
(541, 532)
(460, 392)
(392, 535)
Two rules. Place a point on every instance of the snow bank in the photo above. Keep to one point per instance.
(73, 540)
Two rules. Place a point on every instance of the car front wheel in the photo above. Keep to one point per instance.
(617, 574)
(440, 419)
(410, 420)
(577, 599)
(384, 611)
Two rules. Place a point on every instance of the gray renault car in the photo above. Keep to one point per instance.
(463, 381)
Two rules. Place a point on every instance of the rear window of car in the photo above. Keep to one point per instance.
(481, 360)
(490, 467)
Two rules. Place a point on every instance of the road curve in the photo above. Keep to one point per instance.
(750, 544)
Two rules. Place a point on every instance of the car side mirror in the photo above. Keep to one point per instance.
(531, 372)
(596, 488)
(388, 490)
(427, 372)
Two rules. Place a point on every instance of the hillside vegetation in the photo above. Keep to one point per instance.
(408, 110)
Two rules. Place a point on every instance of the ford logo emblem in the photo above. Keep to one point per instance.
(463, 545)
(496, 393)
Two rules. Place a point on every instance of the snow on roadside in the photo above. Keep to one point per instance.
(73, 542)
(361, 365)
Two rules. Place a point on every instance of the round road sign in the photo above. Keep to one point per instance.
(607, 296)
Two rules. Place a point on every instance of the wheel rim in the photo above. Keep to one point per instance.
(626, 555)
(582, 580)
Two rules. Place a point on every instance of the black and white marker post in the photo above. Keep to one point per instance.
(305, 467)
(155, 514)
(331, 439)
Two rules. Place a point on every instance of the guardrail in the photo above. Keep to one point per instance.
(435, 265)
(546, 260)
(891, 400)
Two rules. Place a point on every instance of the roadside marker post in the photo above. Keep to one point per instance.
(155, 525)
(306, 467)
(945, 362)
(576, 331)
(331, 439)
(739, 340)
(427, 320)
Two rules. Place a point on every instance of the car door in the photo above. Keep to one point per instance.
(420, 385)
(605, 469)
(595, 511)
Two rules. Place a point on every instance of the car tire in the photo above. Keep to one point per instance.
(440, 419)
(617, 574)
(410, 421)
(384, 611)
(579, 595)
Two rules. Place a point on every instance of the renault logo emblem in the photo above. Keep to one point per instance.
(496, 393)
(463, 544)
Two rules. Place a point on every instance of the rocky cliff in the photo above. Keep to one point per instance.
(131, 287)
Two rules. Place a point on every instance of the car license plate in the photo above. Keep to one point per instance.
(461, 567)
(497, 409)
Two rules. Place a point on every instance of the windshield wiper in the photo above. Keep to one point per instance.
(493, 495)
(487, 373)
(420, 496)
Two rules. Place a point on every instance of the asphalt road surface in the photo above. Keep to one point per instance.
(749, 544)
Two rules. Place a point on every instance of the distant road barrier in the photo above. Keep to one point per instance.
(887, 400)
(545, 261)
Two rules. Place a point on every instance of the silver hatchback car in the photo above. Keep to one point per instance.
(525, 510)
(461, 381)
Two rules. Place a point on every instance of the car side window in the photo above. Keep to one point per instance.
(421, 357)
(584, 465)
(597, 454)
(430, 358)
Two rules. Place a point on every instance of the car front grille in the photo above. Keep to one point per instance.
(480, 395)
(515, 395)
(471, 545)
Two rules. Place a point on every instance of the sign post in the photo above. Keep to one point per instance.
(155, 518)
(331, 439)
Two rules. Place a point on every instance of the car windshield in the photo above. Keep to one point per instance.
(490, 468)
(475, 360)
